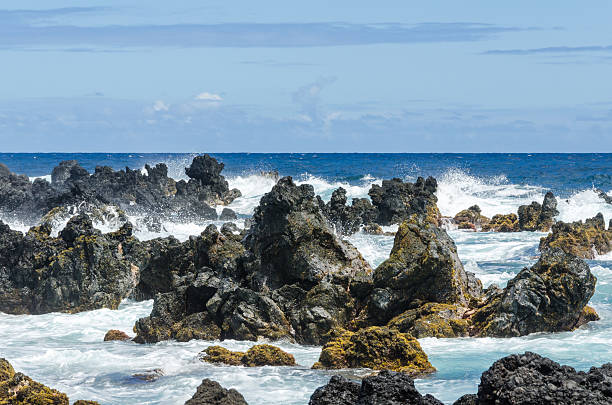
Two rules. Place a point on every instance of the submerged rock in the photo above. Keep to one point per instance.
(115, 334)
(212, 393)
(387, 387)
(550, 296)
(532, 379)
(19, 389)
(538, 217)
(377, 348)
(256, 356)
(580, 239)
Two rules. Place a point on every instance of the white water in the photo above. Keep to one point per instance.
(66, 351)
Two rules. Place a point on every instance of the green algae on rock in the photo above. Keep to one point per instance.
(256, 356)
(378, 348)
(502, 223)
(19, 389)
(582, 239)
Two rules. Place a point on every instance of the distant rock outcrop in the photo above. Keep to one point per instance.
(538, 217)
(582, 239)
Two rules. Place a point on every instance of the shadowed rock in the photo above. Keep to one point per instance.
(538, 217)
(212, 393)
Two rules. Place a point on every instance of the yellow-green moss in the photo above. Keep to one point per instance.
(502, 223)
(19, 389)
(432, 320)
(115, 334)
(256, 356)
(378, 348)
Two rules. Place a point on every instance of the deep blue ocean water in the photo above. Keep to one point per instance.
(561, 173)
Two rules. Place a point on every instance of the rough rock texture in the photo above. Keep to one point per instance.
(212, 393)
(538, 217)
(377, 348)
(386, 388)
(502, 223)
(423, 267)
(349, 219)
(80, 270)
(549, 296)
(470, 218)
(289, 277)
(19, 389)
(580, 239)
(397, 201)
(115, 334)
(256, 356)
(532, 379)
(154, 192)
(433, 320)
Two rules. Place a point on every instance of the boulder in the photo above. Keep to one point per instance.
(532, 379)
(212, 393)
(538, 217)
(471, 219)
(377, 348)
(423, 267)
(17, 388)
(551, 296)
(115, 334)
(387, 387)
(580, 239)
(433, 320)
(397, 201)
(206, 171)
(256, 356)
(345, 219)
(502, 223)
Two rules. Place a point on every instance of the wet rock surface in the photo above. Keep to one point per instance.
(212, 393)
(377, 348)
(470, 219)
(131, 190)
(502, 223)
(386, 388)
(256, 356)
(549, 296)
(582, 239)
(538, 217)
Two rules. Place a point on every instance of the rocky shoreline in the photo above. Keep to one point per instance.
(290, 274)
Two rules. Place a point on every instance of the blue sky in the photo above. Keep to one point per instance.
(278, 76)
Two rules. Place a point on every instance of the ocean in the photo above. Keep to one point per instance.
(66, 351)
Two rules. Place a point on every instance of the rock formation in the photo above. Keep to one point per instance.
(256, 356)
(378, 348)
(471, 218)
(538, 217)
(502, 223)
(582, 239)
(387, 387)
(212, 393)
(549, 296)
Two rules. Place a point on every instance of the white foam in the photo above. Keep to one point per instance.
(582, 205)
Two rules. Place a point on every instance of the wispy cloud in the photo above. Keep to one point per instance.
(308, 98)
(38, 30)
(206, 96)
(552, 50)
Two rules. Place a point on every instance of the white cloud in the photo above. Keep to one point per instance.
(206, 96)
(160, 106)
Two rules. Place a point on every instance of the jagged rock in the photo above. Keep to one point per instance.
(149, 375)
(502, 223)
(471, 218)
(580, 239)
(256, 356)
(115, 334)
(536, 217)
(153, 192)
(211, 393)
(397, 201)
(603, 195)
(80, 270)
(548, 297)
(423, 267)
(19, 389)
(532, 379)
(377, 348)
(385, 388)
(468, 399)
(348, 219)
(292, 243)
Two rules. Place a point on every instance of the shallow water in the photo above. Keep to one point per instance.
(66, 352)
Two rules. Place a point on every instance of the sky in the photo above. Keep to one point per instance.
(316, 76)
